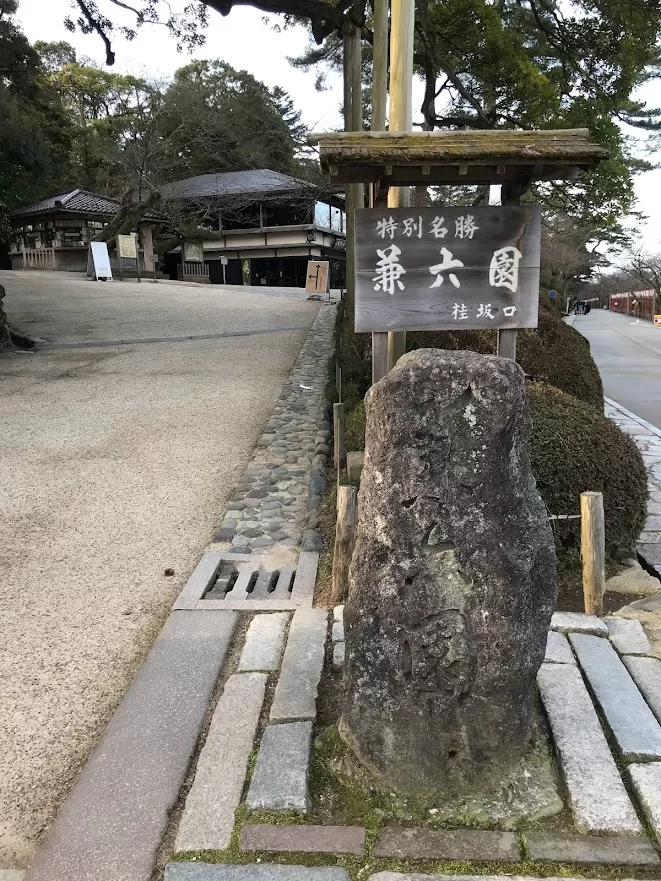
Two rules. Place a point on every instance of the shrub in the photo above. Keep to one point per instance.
(354, 428)
(554, 353)
(575, 448)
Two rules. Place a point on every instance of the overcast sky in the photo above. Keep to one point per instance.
(245, 41)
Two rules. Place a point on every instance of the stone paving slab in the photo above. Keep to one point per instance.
(296, 692)
(112, 824)
(558, 650)
(263, 645)
(12, 874)
(646, 673)
(261, 872)
(631, 722)
(628, 636)
(577, 622)
(338, 631)
(208, 818)
(590, 850)
(442, 844)
(199, 581)
(306, 577)
(597, 797)
(303, 839)
(339, 651)
(280, 779)
(646, 780)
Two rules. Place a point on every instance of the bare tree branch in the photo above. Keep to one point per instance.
(96, 25)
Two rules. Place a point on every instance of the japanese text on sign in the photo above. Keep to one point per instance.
(435, 269)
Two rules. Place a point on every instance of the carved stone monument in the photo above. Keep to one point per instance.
(452, 582)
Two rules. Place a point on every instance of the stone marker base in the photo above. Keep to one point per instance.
(528, 793)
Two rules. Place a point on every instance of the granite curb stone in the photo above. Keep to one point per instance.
(646, 780)
(296, 692)
(578, 622)
(646, 673)
(112, 823)
(558, 650)
(442, 844)
(415, 876)
(628, 636)
(597, 796)
(589, 850)
(631, 722)
(280, 779)
(263, 872)
(303, 839)
(263, 645)
(208, 818)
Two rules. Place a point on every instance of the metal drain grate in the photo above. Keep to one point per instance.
(249, 583)
(246, 581)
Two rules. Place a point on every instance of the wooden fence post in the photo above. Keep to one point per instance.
(345, 533)
(593, 552)
(338, 435)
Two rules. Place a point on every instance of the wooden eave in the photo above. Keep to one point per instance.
(462, 157)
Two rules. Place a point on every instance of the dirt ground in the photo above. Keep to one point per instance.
(121, 440)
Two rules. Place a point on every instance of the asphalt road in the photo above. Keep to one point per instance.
(628, 355)
(121, 440)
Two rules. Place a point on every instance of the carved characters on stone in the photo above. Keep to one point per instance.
(438, 656)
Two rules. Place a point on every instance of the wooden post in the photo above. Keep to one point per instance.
(510, 194)
(137, 255)
(507, 344)
(338, 435)
(593, 552)
(380, 66)
(379, 194)
(379, 356)
(345, 533)
(353, 121)
(401, 116)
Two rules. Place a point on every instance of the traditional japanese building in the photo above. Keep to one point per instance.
(55, 233)
(263, 227)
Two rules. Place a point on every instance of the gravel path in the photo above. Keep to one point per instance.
(116, 463)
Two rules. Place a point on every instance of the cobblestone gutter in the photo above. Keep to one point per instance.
(275, 503)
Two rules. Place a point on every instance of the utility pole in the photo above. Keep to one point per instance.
(402, 20)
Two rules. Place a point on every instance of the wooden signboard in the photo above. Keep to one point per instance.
(317, 280)
(126, 247)
(193, 252)
(447, 268)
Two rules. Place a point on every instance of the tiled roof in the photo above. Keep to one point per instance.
(257, 182)
(76, 201)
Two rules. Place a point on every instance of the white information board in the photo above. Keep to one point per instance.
(100, 261)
